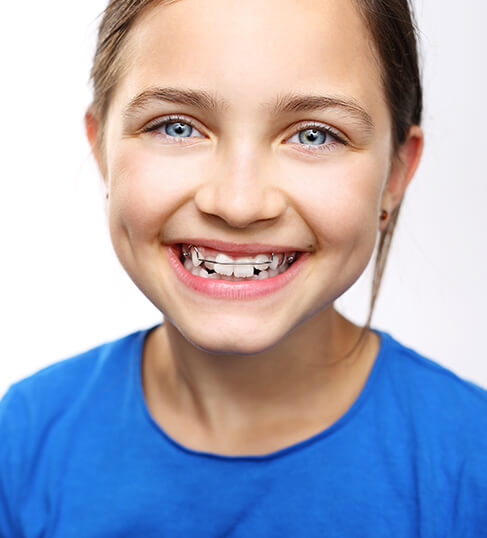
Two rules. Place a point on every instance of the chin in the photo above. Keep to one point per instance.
(237, 338)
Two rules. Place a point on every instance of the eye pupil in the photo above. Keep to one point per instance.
(312, 136)
(178, 128)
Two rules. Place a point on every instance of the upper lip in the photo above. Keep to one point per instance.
(239, 248)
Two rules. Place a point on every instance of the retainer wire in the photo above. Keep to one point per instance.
(187, 254)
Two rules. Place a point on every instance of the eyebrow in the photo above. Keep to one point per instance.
(288, 103)
(309, 103)
(197, 98)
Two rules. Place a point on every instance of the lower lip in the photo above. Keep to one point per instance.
(226, 289)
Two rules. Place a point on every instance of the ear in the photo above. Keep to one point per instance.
(403, 167)
(92, 127)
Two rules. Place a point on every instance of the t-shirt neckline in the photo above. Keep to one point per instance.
(295, 447)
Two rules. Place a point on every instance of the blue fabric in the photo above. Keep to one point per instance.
(81, 457)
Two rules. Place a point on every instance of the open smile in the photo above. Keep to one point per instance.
(228, 274)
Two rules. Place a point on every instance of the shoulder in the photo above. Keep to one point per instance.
(428, 380)
(41, 397)
(439, 405)
(42, 413)
(62, 377)
(442, 420)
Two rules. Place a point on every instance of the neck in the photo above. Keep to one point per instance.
(310, 369)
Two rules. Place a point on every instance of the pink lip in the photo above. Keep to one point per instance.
(225, 289)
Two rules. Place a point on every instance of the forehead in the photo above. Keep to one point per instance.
(253, 50)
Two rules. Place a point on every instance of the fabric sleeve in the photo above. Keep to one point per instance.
(12, 426)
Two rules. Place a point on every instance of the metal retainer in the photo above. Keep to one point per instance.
(187, 254)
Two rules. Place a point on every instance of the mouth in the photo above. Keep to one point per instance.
(235, 271)
(216, 265)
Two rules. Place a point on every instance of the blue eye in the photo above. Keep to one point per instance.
(173, 128)
(178, 129)
(314, 137)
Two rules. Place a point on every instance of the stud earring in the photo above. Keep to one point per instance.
(384, 214)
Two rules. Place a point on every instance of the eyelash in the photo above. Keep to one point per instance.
(336, 135)
(330, 131)
(160, 122)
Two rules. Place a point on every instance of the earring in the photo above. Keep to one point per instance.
(384, 214)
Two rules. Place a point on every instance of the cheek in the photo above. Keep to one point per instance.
(146, 188)
(341, 199)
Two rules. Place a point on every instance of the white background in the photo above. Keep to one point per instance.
(61, 288)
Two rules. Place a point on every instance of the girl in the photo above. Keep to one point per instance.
(251, 153)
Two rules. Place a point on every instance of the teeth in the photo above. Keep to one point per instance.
(223, 269)
(261, 258)
(200, 271)
(244, 270)
(274, 263)
(226, 269)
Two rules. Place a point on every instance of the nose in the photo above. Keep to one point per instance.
(241, 189)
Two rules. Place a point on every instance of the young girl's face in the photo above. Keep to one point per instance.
(260, 123)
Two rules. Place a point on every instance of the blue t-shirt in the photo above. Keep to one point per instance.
(81, 457)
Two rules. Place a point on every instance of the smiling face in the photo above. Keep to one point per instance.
(250, 123)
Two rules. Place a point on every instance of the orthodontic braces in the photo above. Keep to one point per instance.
(187, 254)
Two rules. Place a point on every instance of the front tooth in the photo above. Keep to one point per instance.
(244, 270)
(223, 269)
(194, 257)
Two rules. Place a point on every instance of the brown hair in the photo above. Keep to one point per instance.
(393, 31)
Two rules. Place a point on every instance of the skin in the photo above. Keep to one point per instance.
(258, 375)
